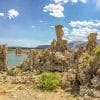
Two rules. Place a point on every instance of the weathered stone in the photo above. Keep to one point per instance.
(70, 82)
(59, 44)
(3, 57)
(98, 73)
(66, 84)
(91, 42)
(96, 83)
(78, 53)
(84, 90)
(96, 63)
(18, 51)
(96, 93)
(84, 71)
(78, 70)
(57, 58)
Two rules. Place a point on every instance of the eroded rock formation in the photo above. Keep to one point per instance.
(59, 44)
(81, 69)
(18, 51)
(91, 42)
(3, 58)
(56, 58)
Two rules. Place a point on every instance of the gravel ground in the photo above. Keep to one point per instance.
(25, 92)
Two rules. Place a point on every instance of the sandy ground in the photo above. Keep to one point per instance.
(24, 92)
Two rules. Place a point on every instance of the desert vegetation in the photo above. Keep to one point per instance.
(50, 81)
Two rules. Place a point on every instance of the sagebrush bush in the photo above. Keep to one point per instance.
(89, 58)
(50, 81)
(97, 50)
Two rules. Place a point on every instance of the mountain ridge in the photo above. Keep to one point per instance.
(71, 45)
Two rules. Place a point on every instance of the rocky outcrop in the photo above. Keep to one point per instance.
(3, 57)
(81, 69)
(18, 51)
(56, 58)
(59, 44)
(91, 42)
(84, 71)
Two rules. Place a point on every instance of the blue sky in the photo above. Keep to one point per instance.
(31, 22)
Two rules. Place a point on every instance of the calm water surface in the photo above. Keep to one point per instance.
(14, 59)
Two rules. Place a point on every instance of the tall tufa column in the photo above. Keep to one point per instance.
(59, 44)
(3, 57)
(91, 42)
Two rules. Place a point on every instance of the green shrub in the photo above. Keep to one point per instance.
(97, 50)
(49, 81)
(89, 58)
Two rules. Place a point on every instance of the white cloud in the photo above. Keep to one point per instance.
(84, 23)
(66, 30)
(83, 32)
(61, 1)
(74, 1)
(55, 10)
(12, 13)
(84, 1)
(1, 14)
(79, 30)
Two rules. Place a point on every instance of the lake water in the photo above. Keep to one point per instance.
(14, 59)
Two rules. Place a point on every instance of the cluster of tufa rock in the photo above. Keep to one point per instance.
(3, 57)
(80, 69)
(18, 51)
(56, 58)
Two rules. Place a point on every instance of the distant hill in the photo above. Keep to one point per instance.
(71, 45)
(42, 47)
(77, 44)
(14, 47)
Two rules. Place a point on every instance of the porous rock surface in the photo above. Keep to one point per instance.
(80, 74)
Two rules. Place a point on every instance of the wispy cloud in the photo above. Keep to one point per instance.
(12, 13)
(85, 23)
(55, 10)
(81, 29)
(56, 7)
(61, 1)
(84, 1)
(1, 14)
